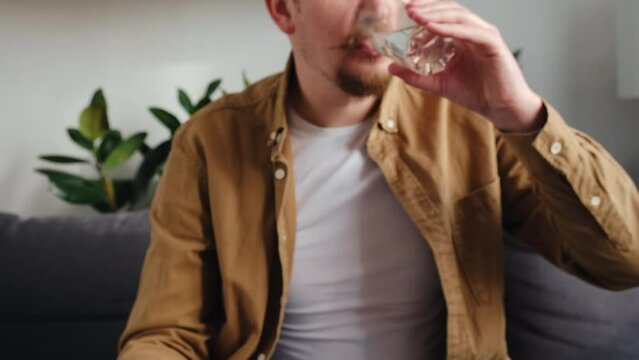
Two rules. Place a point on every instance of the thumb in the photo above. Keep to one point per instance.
(427, 83)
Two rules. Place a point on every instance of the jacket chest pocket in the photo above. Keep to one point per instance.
(477, 237)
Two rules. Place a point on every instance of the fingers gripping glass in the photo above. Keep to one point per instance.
(394, 34)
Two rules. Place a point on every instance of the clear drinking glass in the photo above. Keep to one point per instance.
(394, 34)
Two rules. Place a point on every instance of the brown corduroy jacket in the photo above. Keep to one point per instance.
(216, 275)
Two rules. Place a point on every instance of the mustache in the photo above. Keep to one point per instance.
(354, 40)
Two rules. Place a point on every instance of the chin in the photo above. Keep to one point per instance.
(367, 66)
(363, 82)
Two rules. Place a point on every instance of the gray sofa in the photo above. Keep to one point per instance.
(67, 285)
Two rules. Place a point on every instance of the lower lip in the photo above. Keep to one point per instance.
(365, 49)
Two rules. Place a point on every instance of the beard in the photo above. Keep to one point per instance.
(352, 83)
(362, 85)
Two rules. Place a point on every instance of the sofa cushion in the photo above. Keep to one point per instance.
(73, 340)
(65, 268)
(554, 315)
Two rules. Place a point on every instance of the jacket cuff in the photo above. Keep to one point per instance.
(552, 148)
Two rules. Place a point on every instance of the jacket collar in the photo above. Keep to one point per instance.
(386, 118)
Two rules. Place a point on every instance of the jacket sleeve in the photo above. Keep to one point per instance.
(179, 286)
(567, 198)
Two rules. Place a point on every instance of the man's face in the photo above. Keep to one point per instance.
(327, 41)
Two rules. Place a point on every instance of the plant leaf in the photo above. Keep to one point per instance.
(123, 151)
(79, 139)
(211, 89)
(61, 176)
(166, 118)
(144, 148)
(185, 101)
(72, 188)
(103, 207)
(206, 99)
(77, 193)
(93, 122)
(201, 104)
(123, 194)
(123, 191)
(98, 99)
(110, 141)
(152, 162)
(61, 159)
(517, 53)
(245, 79)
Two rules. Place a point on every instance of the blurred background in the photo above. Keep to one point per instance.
(55, 54)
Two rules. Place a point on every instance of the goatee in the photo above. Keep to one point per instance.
(362, 85)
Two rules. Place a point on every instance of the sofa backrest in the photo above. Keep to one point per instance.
(553, 315)
(68, 283)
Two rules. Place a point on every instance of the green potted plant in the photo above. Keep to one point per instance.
(107, 150)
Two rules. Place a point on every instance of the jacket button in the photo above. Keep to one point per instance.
(280, 174)
(391, 124)
(595, 201)
(556, 148)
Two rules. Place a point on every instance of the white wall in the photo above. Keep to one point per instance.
(628, 48)
(570, 59)
(55, 53)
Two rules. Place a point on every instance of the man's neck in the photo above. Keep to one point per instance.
(322, 103)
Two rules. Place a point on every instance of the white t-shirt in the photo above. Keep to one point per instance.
(364, 283)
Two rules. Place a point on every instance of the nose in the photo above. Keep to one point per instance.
(379, 9)
(374, 13)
